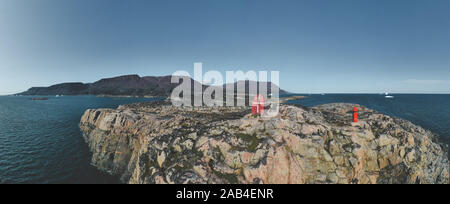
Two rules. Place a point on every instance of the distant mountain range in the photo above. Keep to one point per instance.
(128, 85)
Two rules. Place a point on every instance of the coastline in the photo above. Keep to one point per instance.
(127, 96)
(100, 96)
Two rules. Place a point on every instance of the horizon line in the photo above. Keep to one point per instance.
(287, 94)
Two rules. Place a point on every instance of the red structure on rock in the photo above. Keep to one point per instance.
(258, 105)
(355, 115)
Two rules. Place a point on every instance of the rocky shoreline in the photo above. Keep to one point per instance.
(155, 142)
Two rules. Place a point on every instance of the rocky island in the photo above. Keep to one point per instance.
(156, 142)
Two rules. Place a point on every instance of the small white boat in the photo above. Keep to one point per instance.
(386, 95)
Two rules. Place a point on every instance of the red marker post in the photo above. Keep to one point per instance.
(355, 115)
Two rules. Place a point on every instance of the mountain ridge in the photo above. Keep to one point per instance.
(125, 85)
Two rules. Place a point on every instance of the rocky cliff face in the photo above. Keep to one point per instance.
(158, 143)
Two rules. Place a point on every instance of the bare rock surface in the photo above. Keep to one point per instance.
(158, 143)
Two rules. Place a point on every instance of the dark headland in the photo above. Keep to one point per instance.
(128, 85)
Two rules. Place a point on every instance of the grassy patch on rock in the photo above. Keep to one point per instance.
(251, 140)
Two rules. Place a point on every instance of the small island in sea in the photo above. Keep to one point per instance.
(158, 143)
(39, 99)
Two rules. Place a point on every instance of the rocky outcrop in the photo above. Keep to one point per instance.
(158, 143)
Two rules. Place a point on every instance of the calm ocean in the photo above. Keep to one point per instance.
(40, 141)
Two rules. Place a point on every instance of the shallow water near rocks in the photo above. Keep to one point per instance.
(40, 141)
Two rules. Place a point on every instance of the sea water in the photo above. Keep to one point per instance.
(41, 142)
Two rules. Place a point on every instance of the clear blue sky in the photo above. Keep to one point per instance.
(318, 46)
